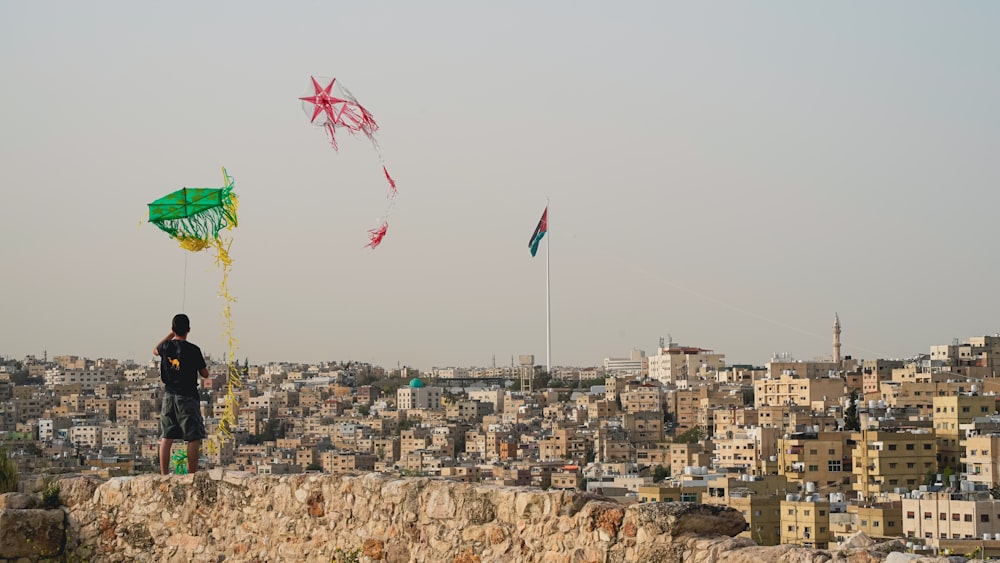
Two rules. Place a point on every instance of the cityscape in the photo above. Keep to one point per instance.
(811, 452)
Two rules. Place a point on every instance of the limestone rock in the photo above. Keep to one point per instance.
(676, 518)
(17, 500)
(235, 517)
(32, 534)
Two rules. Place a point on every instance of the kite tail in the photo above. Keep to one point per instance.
(392, 183)
(234, 380)
(329, 132)
(376, 235)
(229, 418)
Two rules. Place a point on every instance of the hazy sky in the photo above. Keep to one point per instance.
(730, 173)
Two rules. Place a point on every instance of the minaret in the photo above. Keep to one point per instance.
(836, 339)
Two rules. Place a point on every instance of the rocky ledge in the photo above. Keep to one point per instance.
(236, 517)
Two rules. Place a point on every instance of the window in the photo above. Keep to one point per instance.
(834, 465)
(954, 517)
(892, 447)
(943, 516)
(909, 514)
(910, 446)
(968, 518)
(813, 468)
(984, 517)
(927, 515)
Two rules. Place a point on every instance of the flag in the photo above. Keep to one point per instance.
(540, 230)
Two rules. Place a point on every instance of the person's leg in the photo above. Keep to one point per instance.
(194, 429)
(165, 445)
(193, 449)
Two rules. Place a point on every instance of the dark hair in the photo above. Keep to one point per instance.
(181, 324)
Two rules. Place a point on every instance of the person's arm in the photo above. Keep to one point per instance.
(204, 373)
(156, 349)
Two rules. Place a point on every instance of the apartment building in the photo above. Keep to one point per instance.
(740, 450)
(885, 462)
(805, 521)
(982, 459)
(949, 414)
(877, 520)
(823, 458)
(790, 389)
(937, 516)
(680, 365)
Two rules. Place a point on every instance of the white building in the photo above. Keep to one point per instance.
(416, 396)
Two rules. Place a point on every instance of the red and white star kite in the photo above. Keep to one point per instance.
(334, 107)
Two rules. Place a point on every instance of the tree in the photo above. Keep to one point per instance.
(852, 420)
(272, 430)
(660, 473)
(692, 436)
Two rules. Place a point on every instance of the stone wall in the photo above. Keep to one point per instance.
(236, 517)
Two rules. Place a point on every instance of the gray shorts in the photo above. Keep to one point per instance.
(180, 418)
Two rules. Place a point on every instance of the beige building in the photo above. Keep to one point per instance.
(949, 414)
(689, 455)
(806, 521)
(982, 459)
(790, 389)
(822, 458)
(876, 371)
(642, 398)
(877, 520)
(886, 461)
(762, 514)
(741, 450)
(936, 517)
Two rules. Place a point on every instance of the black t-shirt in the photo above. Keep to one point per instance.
(180, 362)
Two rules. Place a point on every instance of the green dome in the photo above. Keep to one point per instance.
(415, 382)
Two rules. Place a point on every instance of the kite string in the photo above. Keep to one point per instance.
(184, 284)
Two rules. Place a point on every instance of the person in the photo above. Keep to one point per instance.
(181, 362)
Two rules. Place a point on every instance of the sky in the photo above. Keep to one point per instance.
(728, 174)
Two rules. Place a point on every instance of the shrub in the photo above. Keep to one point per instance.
(50, 492)
(8, 472)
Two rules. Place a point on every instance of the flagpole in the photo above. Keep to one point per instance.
(548, 307)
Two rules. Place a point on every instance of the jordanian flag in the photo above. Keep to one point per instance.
(540, 230)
